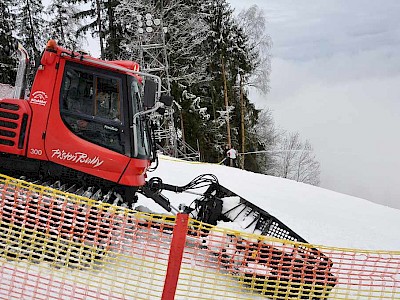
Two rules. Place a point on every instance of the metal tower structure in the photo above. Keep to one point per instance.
(150, 51)
(153, 59)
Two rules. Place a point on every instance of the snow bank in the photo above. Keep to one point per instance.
(320, 216)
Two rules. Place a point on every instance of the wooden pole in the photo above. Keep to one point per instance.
(228, 127)
(183, 131)
(242, 120)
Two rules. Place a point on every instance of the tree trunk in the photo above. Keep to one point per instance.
(242, 120)
(31, 31)
(113, 37)
(98, 6)
(228, 127)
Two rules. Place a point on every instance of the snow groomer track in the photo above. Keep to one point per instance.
(56, 245)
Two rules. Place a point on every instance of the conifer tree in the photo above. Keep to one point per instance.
(63, 26)
(252, 61)
(94, 17)
(7, 43)
(31, 27)
(231, 54)
(113, 31)
(189, 61)
(220, 21)
(102, 24)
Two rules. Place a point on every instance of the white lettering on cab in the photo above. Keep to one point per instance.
(77, 157)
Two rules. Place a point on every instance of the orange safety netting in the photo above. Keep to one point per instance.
(55, 245)
(278, 269)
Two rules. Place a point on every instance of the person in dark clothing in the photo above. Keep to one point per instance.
(226, 159)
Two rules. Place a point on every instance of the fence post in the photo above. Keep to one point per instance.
(175, 256)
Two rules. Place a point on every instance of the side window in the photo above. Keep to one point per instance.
(90, 105)
(107, 99)
(78, 92)
(142, 141)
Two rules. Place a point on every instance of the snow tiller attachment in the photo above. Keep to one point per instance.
(280, 270)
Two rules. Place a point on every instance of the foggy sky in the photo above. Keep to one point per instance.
(336, 80)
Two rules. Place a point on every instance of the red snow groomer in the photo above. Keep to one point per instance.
(87, 124)
(82, 121)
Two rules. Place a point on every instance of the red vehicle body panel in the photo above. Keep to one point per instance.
(13, 135)
(41, 98)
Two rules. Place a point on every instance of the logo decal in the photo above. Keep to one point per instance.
(39, 98)
(111, 128)
(77, 157)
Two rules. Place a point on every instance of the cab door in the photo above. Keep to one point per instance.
(87, 129)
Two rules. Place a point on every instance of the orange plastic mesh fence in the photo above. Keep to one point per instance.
(60, 246)
(224, 264)
(55, 245)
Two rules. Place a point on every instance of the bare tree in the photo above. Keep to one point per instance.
(289, 151)
(297, 161)
(308, 169)
(268, 136)
(252, 21)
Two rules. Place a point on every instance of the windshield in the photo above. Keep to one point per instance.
(140, 132)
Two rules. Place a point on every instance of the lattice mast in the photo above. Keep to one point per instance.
(154, 59)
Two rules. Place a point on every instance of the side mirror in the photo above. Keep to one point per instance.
(150, 89)
(167, 100)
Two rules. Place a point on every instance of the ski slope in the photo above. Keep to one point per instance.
(320, 216)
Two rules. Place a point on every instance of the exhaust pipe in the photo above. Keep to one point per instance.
(20, 81)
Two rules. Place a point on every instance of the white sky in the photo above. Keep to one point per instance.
(336, 80)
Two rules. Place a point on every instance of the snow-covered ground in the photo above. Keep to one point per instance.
(6, 91)
(320, 216)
